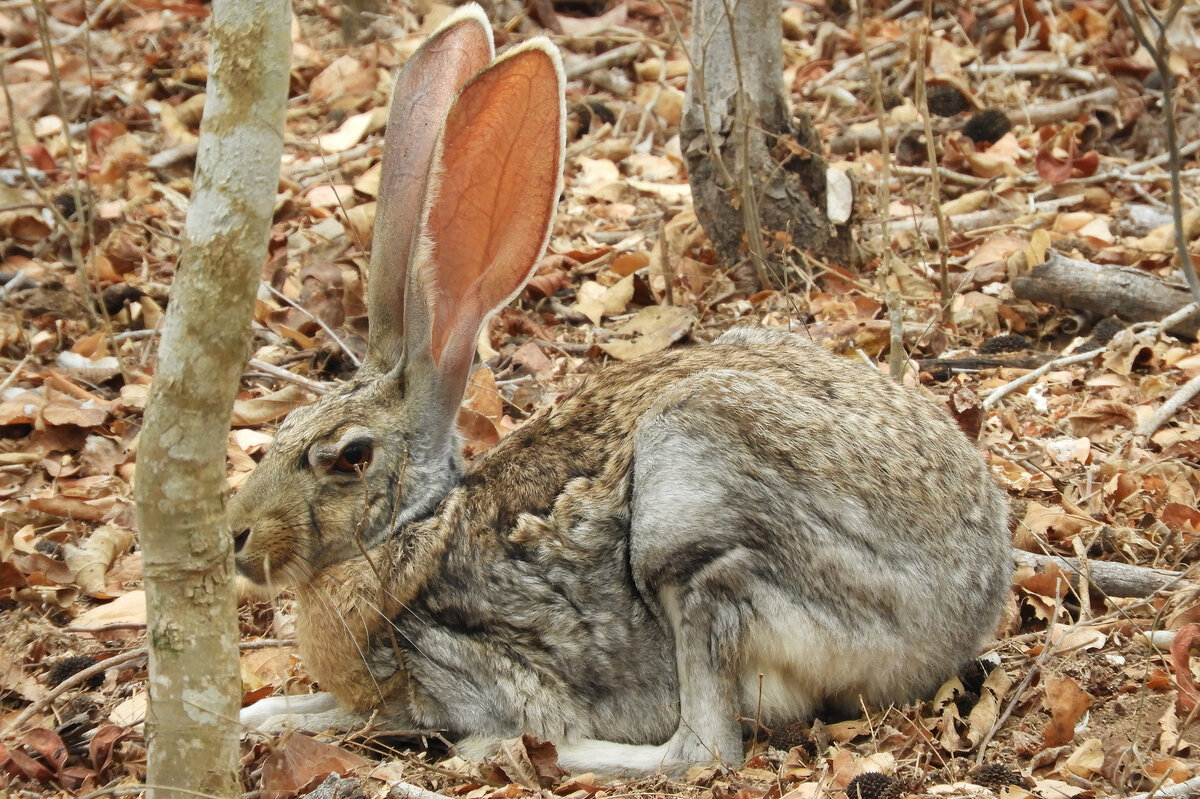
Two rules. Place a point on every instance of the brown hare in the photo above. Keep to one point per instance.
(753, 526)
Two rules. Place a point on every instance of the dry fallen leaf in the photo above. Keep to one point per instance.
(654, 328)
(299, 761)
(1067, 703)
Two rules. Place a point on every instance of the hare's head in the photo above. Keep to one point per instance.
(472, 168)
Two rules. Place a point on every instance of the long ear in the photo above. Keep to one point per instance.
(492, 192)
(424, 92)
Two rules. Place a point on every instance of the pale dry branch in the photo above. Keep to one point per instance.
(1160, 52)
(1182, 790)
(290, 377)
(869, 138)
(1108, 577)
(1003, 391)
(76, 679)
(1185, 394)
(1033, 70)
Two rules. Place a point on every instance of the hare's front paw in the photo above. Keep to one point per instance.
(311, 712)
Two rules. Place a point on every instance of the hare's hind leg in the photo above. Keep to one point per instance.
(707, 546)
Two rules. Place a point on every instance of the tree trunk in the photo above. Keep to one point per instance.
(195, 686)
(749, 165)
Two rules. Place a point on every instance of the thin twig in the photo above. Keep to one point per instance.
(1034, 70)
(328, 330)
(1170, 320)
(1179, 791)
(943, 172)
(74, 232)
(1160, 53)
(1043, 656)
(290, 377)
(742, 123)
(935, 176)
(1067, 360)
(892, 299)
(15, 373)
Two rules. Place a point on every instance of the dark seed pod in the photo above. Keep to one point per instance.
(50, 549)
(988, 125)
(873, 785)
(1105, 329)
(787, 736)
(62, 670)
(997, 776)
(1007, 342)
(946, 101)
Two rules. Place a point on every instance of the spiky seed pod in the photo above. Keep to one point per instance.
(874, 785)
(988, 126)
(62, 670)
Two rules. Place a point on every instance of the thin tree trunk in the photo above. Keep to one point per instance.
(195, 687)
(750, 166)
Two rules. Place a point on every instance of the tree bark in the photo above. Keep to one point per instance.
(1101, 291)
(749, 166)
(195, 687)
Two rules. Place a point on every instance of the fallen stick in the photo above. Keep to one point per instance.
(1033, 70)
(972, 221)
(1113, 579)
(1101, 291)
(1179, 791)
(1182, 397)
(868, 137)
(1003, 391)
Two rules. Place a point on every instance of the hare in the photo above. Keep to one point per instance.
(749, 529)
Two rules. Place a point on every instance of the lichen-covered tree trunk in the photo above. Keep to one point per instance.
(195, 686)
(750, 166)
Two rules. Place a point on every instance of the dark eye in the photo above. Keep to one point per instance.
(354, 458)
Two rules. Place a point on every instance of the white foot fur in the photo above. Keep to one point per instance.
(310, 712)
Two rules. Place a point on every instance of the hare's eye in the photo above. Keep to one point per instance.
(354, 458)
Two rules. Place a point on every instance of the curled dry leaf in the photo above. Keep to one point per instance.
(129, 609)
(276, 405)
(53, 408)
(1181, 648)
(91, 560)
(345, 83)
(1098, 416)
(100, 748)
(597, 302)
(528, 762)
(131, 712)
(481, 412)
(986, 713)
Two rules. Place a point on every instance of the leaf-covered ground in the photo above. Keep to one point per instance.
(97, 148)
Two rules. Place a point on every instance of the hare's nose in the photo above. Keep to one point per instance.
(239, 540)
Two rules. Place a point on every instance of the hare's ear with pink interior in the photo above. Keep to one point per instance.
(493, 188)
(425, 89)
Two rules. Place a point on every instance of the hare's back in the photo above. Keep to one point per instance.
(782, 434)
